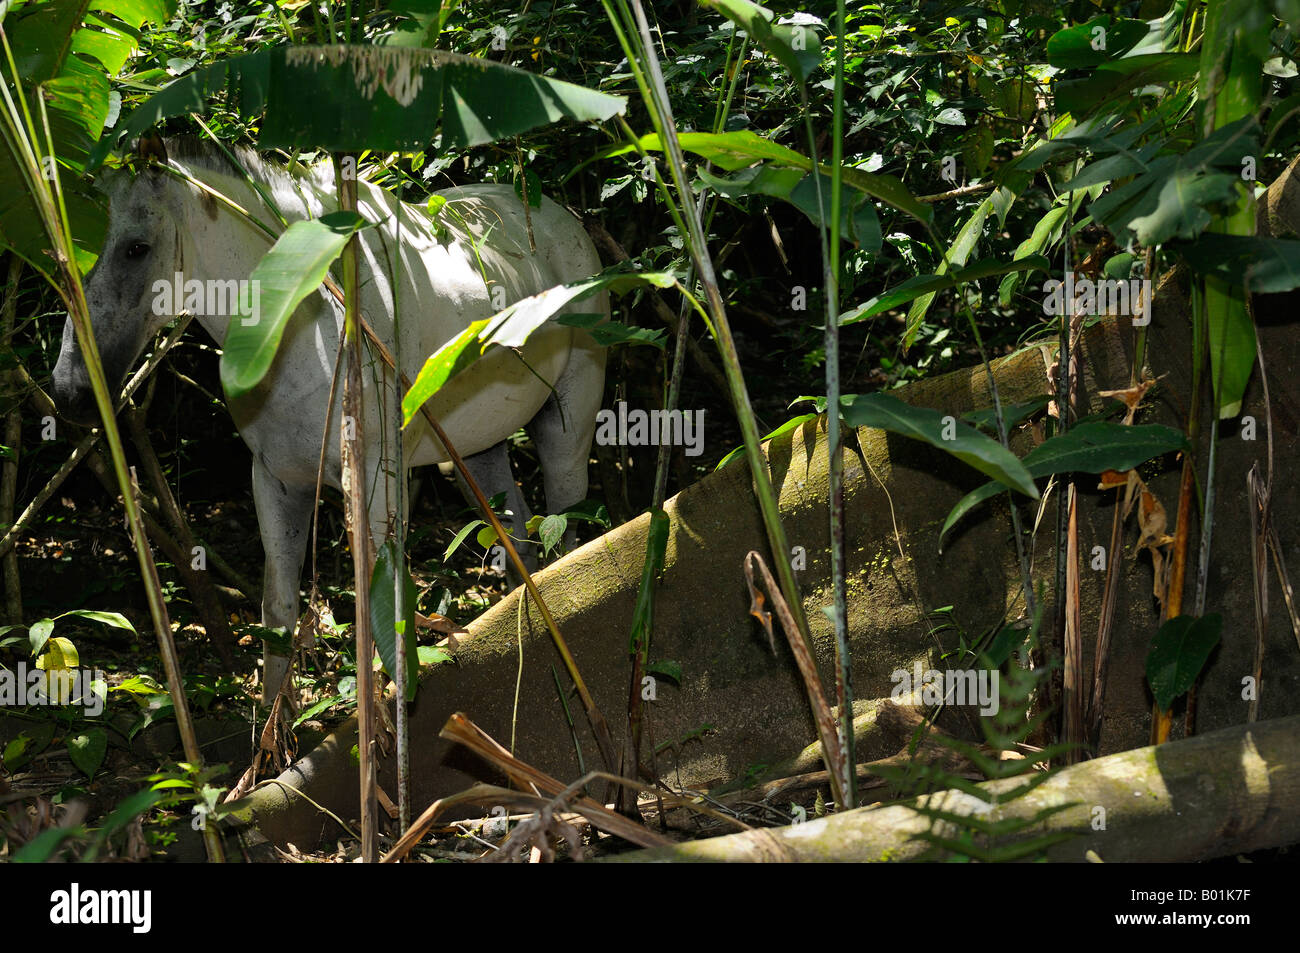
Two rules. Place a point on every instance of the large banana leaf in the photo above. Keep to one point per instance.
(346, 98)
(69, 49)
(292, 269)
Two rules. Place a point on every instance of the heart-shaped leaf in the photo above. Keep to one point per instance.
(1178, 653)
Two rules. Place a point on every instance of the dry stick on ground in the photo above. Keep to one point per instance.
(545, 821)
(832, 752)
(1106, 617)
(13, 436)
(206, 603)
(1259, 494)
(459, 728)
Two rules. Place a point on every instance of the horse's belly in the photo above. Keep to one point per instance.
(492, 398)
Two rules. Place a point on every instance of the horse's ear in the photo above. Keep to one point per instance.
(150, 148)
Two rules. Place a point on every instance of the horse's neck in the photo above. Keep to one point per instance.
(243, 243)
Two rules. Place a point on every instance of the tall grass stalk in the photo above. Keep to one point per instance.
(34, 157)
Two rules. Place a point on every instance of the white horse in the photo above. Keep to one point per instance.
(477, 259)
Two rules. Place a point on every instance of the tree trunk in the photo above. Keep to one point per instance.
(1228, 792)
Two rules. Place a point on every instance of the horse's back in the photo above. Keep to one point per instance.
(479, 259)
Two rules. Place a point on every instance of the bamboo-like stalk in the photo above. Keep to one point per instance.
(829, 235)
(834, 439)
(642, 635)
(627, 24)
(13, 438)
(354, 486)
(1231, 87)
(399, 554)
(29, 149)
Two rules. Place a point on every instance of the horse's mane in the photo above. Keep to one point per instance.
(200, 153)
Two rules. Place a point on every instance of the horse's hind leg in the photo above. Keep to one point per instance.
(284, 517)
(563, 429)
(491, 471)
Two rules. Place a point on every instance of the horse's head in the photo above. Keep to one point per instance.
(140, 248)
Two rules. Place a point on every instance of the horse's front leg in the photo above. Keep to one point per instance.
(284, 518)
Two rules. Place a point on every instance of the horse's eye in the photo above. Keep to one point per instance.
(137, 250)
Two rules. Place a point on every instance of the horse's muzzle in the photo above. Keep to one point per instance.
(75, 402)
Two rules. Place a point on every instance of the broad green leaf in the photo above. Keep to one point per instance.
(729, 151)
(1180, 206)
(1178, 196)
(383, 616)
(460, 538)
(786, 427)
(1178, 653)
(1008, 639)
(923, 285)
(1117, 166)
(1046, 232)
(126, 811)
(797, 48)
(859, 225)
(1118, 78)
(114, 619)
(13, 753)
(1086, 448)
(40, 35)
(140, 685)
(656, 549)
(609, 333)
(1262, 265)
(42, 847)
(387, 98)
(432, 655)
(39, 634)
(1231, 330)
(323, 705)
(588, 511)
(60, 654)
(986, 417)
(551, 531)
(944, 431)
(733, 151)
(666, 668)
(960, 251)
(1102, 39)
(136, 13)
(294, 267)
(511, 327)
(87, 750)
(77, 96)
